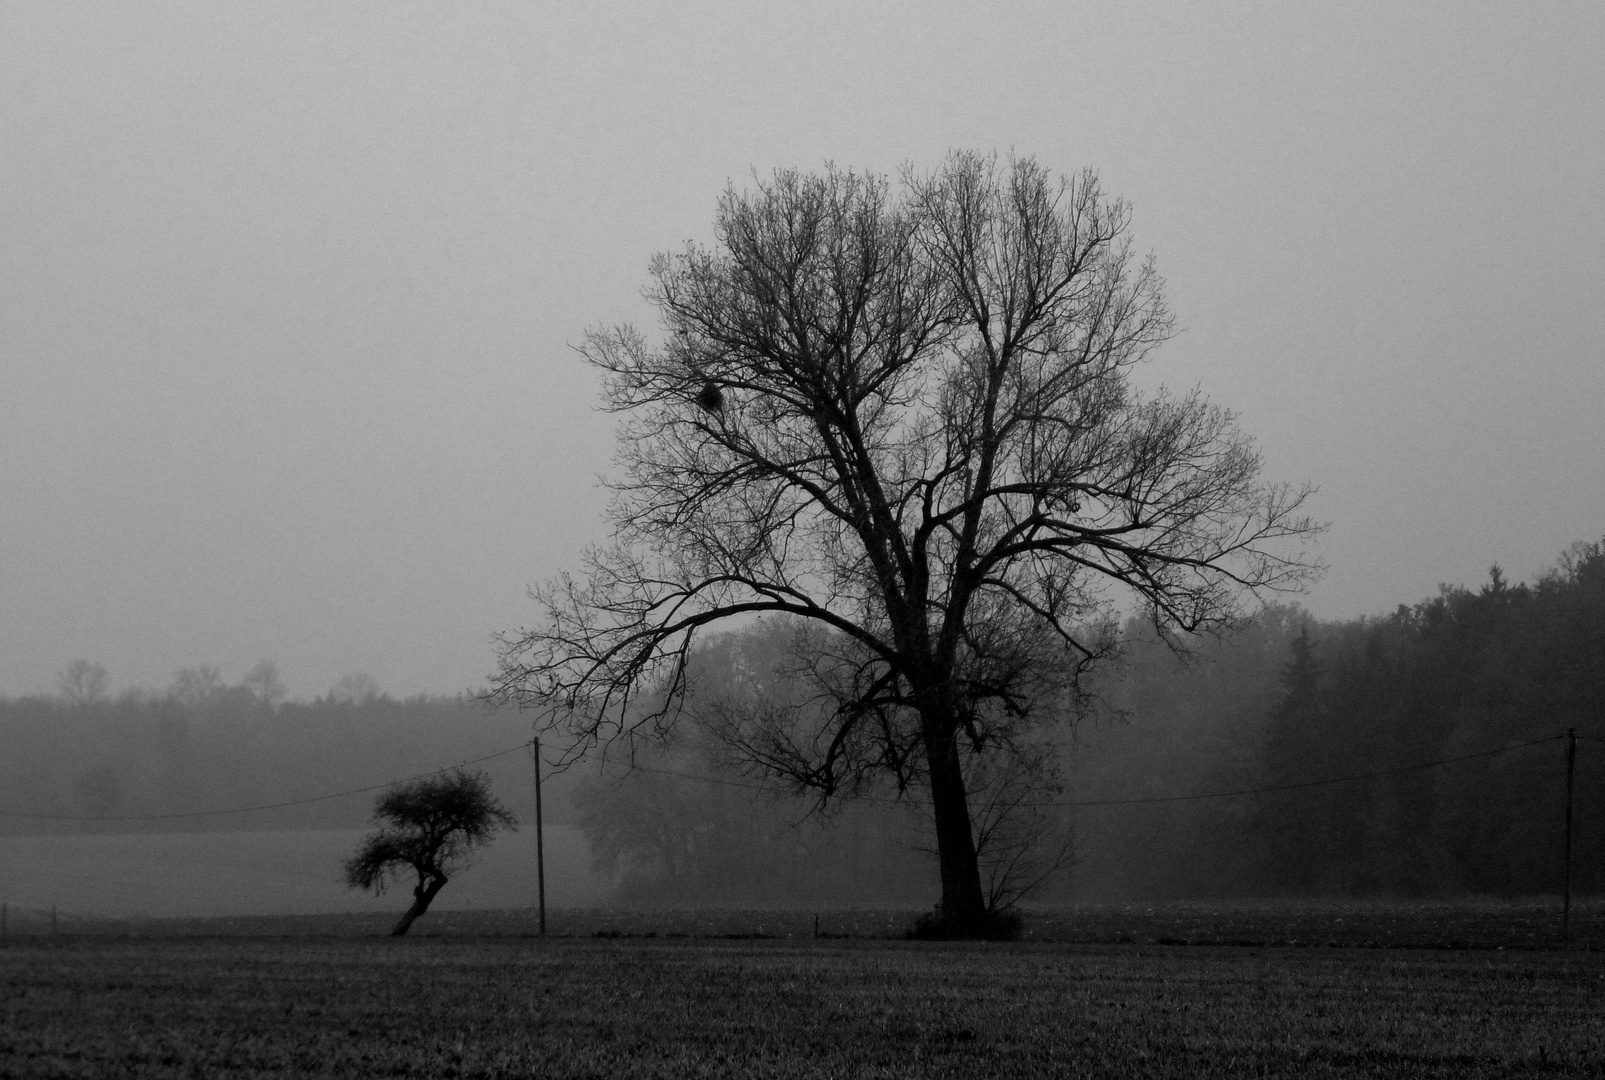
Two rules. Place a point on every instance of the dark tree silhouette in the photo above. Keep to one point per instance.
(927, 449)
(1296, 738)
(433, 825)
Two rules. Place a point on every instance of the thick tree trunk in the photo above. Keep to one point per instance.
(422, 896)
(963, 911)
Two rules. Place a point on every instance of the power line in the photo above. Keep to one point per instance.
(762, 787)
(1311, 783)
(1180, 798)
(264, 806)
(705, 779)
(1177, 798)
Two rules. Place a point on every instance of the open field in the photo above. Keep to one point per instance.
(1448, 924)
(301, 997)
(159, 875)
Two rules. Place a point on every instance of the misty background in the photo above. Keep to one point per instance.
(287, 294)
(287, 297)
(110, 803)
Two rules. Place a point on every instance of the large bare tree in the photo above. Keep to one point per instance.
(905, 419)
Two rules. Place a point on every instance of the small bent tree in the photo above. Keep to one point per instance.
(433, 824)
(907, 423)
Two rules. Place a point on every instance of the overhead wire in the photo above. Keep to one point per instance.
(728, 782)
(1313, 783)
(263, 806)
(1177, 798)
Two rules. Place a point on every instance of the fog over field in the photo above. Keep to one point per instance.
(287, 293)
(284, 872)
(293, 416)
(1426, 755)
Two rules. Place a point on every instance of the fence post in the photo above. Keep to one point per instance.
(540, 836)
(1566, 902)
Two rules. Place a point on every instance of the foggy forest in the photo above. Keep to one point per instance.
(1282, 701)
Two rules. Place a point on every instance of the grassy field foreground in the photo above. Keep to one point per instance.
(503, 1007)
(1465, 923)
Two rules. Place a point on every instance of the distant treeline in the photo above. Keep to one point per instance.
(205, 745)
(1292, 701)
(1286, 700)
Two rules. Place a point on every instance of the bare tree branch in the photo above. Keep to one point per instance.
(906, 421)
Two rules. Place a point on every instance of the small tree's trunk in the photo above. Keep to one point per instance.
(963, 911)
(422, 896)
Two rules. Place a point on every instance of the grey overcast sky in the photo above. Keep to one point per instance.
(287, 290)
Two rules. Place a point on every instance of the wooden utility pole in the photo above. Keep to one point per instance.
(540, 835)
(1571, 769)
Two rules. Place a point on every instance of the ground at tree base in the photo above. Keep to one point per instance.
(1526, 923)
(237, 1004)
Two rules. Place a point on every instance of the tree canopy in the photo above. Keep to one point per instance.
(906, 421)
(433, 824)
